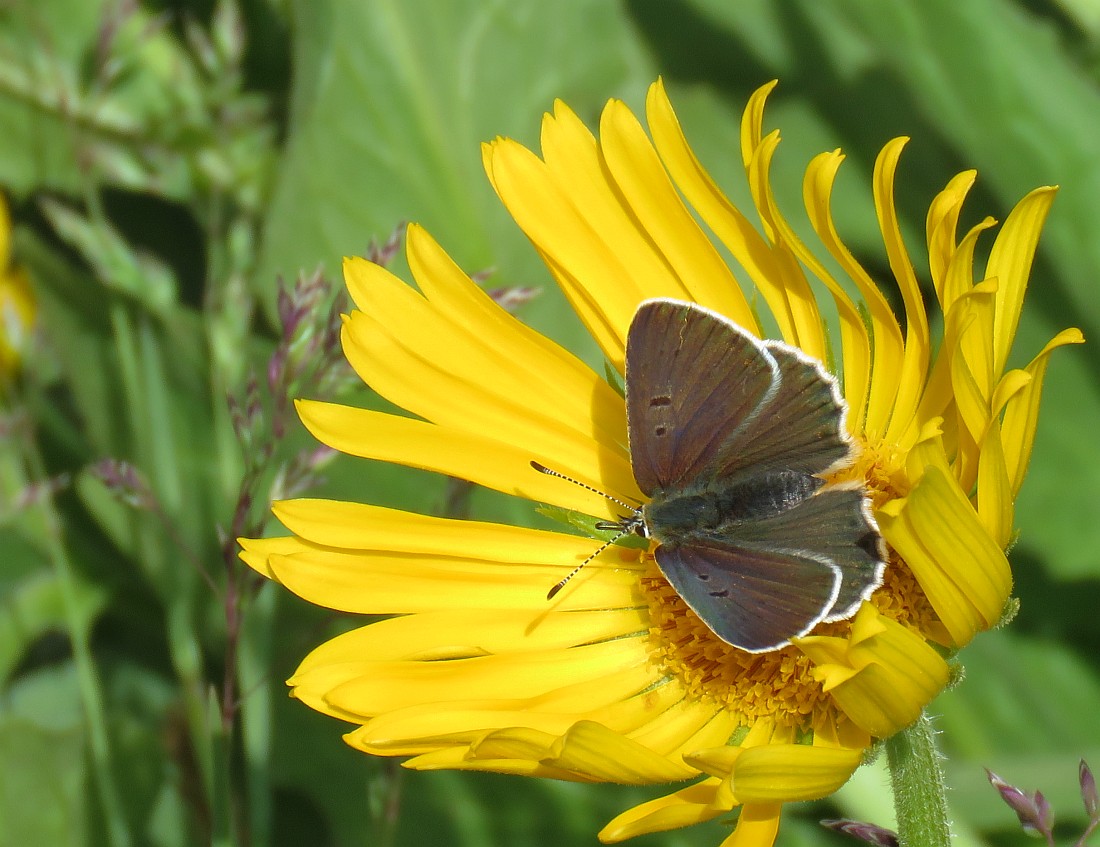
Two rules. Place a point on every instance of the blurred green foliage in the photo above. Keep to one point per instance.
(168, 161)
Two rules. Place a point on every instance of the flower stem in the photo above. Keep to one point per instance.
(920, 798)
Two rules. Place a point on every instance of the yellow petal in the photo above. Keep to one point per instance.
(576, 164)
(580, 257)
(941, 227)
(839, 731)
(752, 123)
(462, 759)
(473, 366)
(995, 495)
(973, 399)
(887, 674)
(690, 726)
(561, 376)
(255, 552)
(721, 761)
(817, 188)
(781, 773)
(456, 343)
(359, 526)
(960, 567)
(805, 316)
(420, 729)
(607, 756)
(725, 219)
(455, 634)
(805, 323)
(1010, 263)
(652, 199)
(976, 344)
(914, 362)
(1012, 383)
(484, 459)
(885, 345)
(938, 391)
(387, 685)
(1022, 410)
(515, 742)
(716, 761)
(928, 450)
(959, 279)
(685, 807)
(757, 826)
(379, 582)
(626, 702)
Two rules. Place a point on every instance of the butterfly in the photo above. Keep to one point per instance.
(731, 439)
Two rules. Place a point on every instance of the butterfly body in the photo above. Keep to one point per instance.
(718, 510)
(732, 439)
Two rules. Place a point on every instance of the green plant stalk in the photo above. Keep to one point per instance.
(223, 832)
(920, 793)
(254, 663)
(137, 357)
(91, 694)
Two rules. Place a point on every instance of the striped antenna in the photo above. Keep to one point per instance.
(550, 594)
(633, 523)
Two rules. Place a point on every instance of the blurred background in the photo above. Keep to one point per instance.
(170, 167)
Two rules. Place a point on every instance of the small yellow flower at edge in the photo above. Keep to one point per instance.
(615, 679)
(17, 304)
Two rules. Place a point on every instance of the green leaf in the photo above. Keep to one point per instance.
(42, 46)
(392, 101)
(1024, 710)
(35, 606)
(43, 781)
(116, 263)
(584, 524)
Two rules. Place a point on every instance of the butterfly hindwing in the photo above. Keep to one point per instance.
(834, 525)
(743, 594)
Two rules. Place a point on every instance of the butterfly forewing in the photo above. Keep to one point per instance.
(744, 595)
(692, 379)
(800, 426)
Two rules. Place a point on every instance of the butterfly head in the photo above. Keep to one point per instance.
(632, 524)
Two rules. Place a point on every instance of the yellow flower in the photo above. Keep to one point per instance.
(17, 305)
(615, 680)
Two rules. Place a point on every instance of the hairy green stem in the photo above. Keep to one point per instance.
(920, 794)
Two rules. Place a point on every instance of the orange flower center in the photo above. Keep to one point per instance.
(756, 685)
